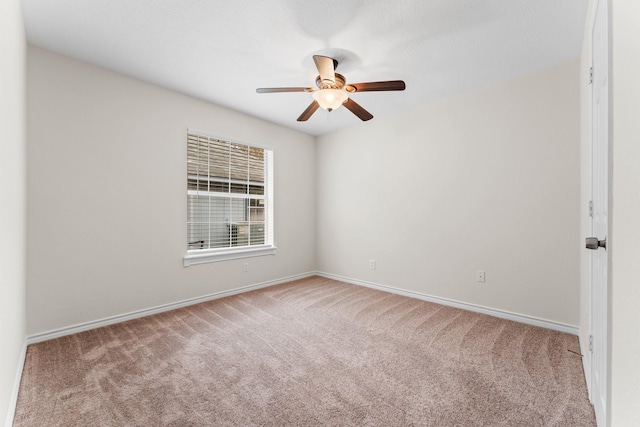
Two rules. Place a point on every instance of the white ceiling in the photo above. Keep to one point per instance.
(221, 51)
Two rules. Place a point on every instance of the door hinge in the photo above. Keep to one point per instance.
(591, 208)
(591, 75)
(591, 343)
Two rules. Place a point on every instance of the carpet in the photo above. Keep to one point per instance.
(313, 352)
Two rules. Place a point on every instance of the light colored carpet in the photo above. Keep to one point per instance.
(312, 352)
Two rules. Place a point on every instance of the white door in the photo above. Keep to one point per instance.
(600, 204)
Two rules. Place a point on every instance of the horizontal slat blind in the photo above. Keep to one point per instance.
(229, 194)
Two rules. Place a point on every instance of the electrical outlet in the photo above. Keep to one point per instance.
(480, 277)
(245, 267)
(372, 264)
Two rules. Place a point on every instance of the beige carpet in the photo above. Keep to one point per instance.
(313, 352)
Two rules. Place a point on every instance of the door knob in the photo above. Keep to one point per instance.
(594, 243)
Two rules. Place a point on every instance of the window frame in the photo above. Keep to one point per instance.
(201, 256)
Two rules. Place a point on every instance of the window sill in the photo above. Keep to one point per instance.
(202, 257)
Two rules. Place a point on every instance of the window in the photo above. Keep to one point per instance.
(229, 200)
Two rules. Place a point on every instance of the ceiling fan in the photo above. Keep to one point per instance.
(333, 90)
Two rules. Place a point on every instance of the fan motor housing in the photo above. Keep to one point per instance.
(338, 84)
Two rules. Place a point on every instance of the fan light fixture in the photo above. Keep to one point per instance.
(333, 91)
(330, 99)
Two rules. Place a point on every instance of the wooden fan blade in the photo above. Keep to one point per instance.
(283, 89)
(376, 86)
(326, 68)
(309, 111)
(356, 109)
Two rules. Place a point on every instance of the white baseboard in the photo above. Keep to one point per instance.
(521, 318)
(11, 410)
(529, 320)
(57, 333)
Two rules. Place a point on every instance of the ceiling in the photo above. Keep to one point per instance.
(221, 51)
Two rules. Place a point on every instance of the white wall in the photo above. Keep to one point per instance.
(12, 201)
(625, 218)
(487, 180)
(107, 195)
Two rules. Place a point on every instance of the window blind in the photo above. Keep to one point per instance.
(229, 194)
